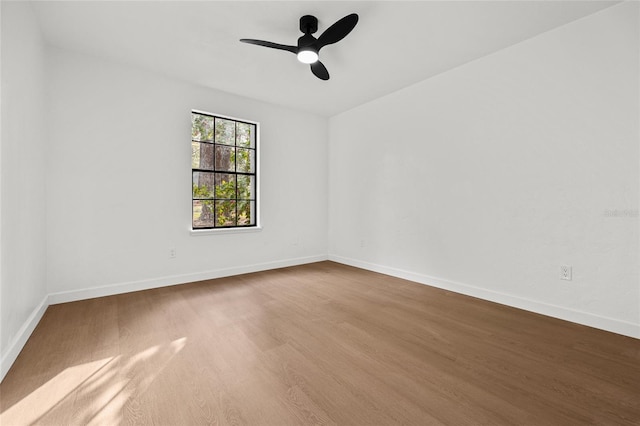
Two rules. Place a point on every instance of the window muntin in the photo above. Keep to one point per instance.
(223, 172)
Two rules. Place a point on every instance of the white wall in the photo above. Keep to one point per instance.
(487, 178)
(22, 177)
(119, 182)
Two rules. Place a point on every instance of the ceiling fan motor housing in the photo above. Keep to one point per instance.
(307, 40)
(308, 24)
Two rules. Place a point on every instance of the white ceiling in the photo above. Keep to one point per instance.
(395, 44)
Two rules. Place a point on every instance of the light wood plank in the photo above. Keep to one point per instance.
(319, 344)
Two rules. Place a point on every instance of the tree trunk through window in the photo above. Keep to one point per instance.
(206, 180)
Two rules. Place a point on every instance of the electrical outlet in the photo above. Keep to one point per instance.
(172, 253)
(565, 272)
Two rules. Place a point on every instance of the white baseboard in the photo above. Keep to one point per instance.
(127, 287)
(579, 317)
(18, 342)
(15, 346)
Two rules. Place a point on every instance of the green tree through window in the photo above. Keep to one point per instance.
(223, 168)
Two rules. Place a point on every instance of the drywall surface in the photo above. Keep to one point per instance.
(119, 181)
(22, 202)
(487, 178)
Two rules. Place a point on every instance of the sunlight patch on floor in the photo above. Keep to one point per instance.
(95, 392)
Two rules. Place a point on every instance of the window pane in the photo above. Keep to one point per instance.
(246, 136)
(225, 185)
(245, 160)
(225, 131)
(246, 187)
(225, 158)
(224, 180)
(203, 214)
(203, 184)
(201, 127)
(246, 213)
(201, 156)
(226, 213)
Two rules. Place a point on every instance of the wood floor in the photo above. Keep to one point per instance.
(316, 344)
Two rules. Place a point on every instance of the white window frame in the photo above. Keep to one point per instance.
(258, 201)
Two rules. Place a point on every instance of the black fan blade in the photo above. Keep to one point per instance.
(292, 49)
(338, 31)
(319, 70)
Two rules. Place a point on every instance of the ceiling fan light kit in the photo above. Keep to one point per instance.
(308, 56)
(308, 48)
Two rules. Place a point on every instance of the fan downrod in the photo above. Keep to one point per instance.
(308, 24)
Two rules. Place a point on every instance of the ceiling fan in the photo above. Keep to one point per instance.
(308, 46)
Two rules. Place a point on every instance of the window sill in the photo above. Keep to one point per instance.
(201, 232)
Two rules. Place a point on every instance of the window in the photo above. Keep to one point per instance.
(223, 169)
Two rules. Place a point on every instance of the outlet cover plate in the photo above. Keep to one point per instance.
(565, 272)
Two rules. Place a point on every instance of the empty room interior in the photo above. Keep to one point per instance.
(296, 213)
